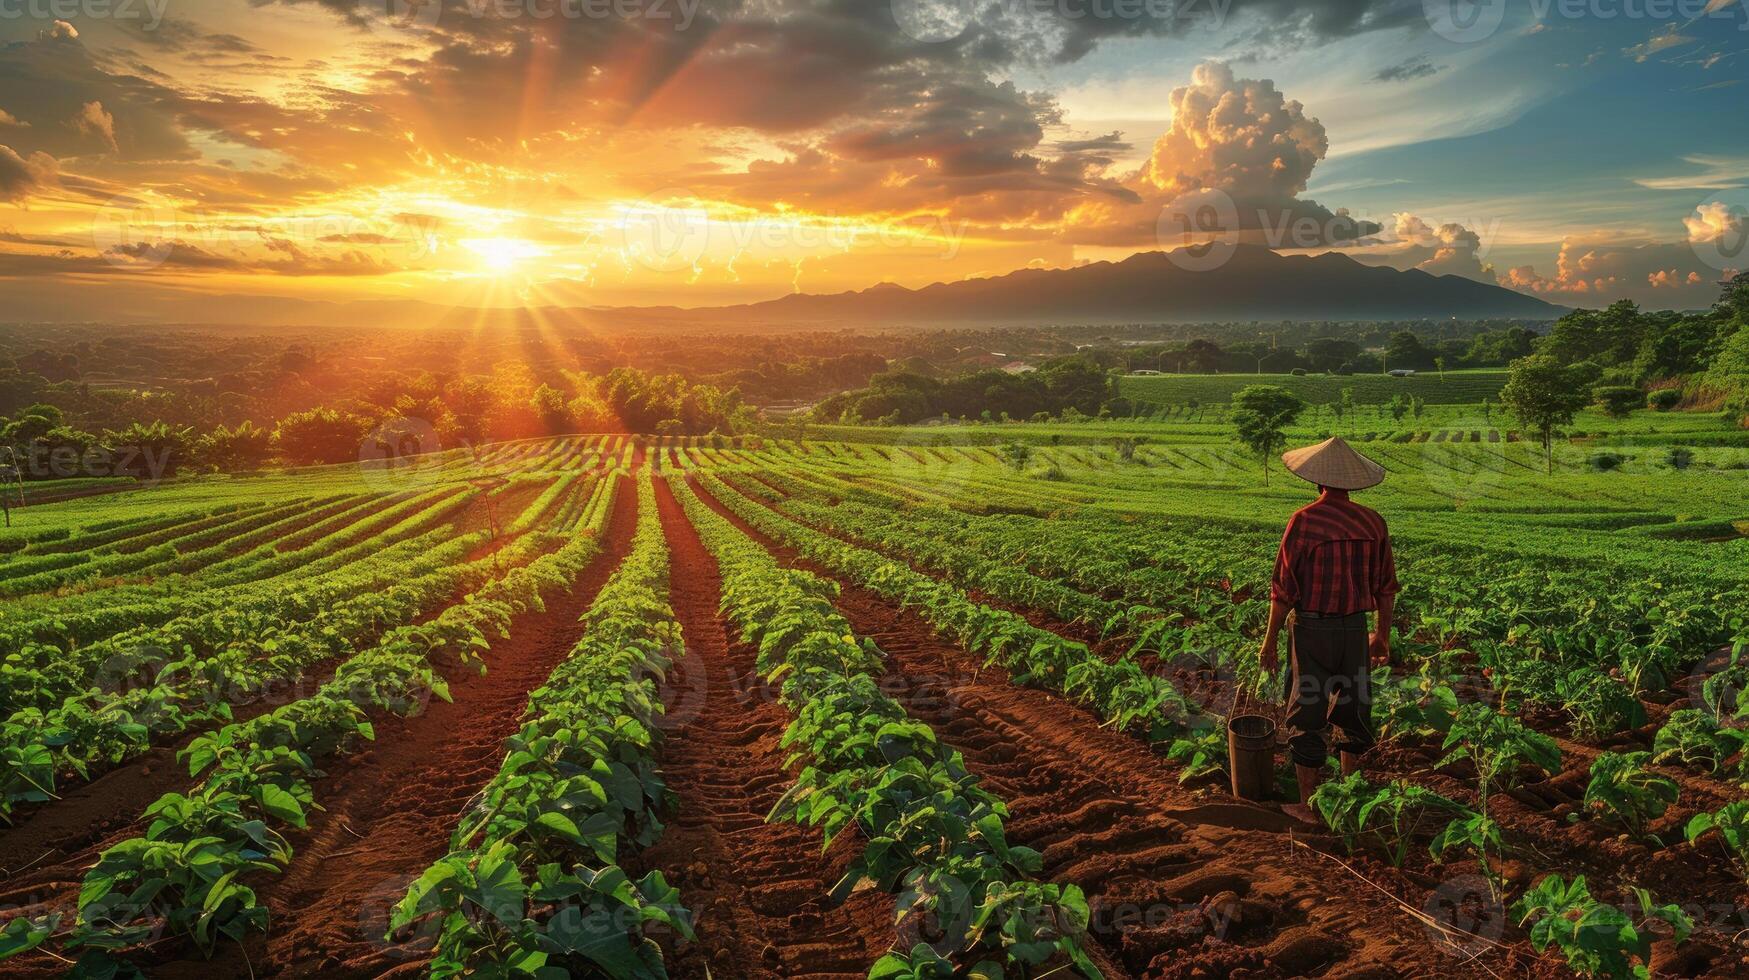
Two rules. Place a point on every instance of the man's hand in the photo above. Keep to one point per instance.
(1267, 656)
(1380, 647)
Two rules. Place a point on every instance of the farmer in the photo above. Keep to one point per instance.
(1334, 566)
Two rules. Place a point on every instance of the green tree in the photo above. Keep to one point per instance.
(1730, 374)
(149, 450)
(1017, 454)
(1542, 394)
(1618, 401)
(1260, 413)
(320, 435)
(230, 450)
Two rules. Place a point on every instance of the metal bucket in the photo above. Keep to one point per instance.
(1251, 755)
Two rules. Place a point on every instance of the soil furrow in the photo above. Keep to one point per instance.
(1180, 886)
(391, 807)
(757, 890)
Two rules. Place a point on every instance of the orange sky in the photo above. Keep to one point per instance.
(695, 152)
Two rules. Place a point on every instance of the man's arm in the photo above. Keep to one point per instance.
(1385, 581)
(1381, 637)
(1267, 657)
(1284, 592)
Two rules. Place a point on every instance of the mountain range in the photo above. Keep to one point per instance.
(1253, 283)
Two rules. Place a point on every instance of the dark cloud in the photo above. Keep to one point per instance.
(75, 106)
(1408, 69)
(1112, 142)
(176, 35)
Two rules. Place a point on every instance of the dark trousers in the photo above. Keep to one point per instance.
(1328, 684)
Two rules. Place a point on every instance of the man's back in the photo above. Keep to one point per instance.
(1335, 558)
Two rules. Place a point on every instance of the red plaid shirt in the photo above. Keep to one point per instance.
(1335, 558)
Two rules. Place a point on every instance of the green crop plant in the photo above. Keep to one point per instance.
(1597, 939)
(1391, 815)
(1624, 790)
(1730, 824)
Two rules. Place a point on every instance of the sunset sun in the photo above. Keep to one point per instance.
(502, 255)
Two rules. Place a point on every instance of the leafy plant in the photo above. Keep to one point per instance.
(1691, 738)
(1597, 939)
(1499, 745)
(1623, 789)
(1392, 814)
(1201, 751)
(1731, 824)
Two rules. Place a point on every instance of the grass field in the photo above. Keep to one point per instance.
(309, 723)
(1455, 387)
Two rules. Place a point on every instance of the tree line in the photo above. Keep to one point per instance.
(441, 413)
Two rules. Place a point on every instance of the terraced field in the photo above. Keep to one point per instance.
(694, 707)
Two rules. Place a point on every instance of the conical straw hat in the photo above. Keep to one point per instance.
(1333, 463)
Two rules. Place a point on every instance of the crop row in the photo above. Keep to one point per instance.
(110, 700)
(533, 880)
(1119, 691)
(184, 873)
(929, 827)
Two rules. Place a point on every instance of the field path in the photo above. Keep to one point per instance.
(391, 807)
(757, 890)
(1181, 885)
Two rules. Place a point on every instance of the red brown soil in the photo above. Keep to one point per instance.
(1183, 884)
(389, 809)
(1534, 817)
(757, 890)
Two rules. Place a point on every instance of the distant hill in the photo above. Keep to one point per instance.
(1255, 283)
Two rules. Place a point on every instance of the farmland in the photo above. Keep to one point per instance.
(1435, 388)
(835, 701)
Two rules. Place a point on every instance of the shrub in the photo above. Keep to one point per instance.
(1618, 401)
(1604, 462)
(1680, 457)
(1664, 399)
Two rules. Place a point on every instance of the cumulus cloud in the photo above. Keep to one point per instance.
(1448, 248)
(1716, 221)
(8, 119)
(1595, 273)
(1673, 279)
(60, 30)
(1239, 144)
(22, 176)
(1235, 135)
(92, 120)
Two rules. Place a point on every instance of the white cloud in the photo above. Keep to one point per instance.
(1713, 222)
(1717, 174)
